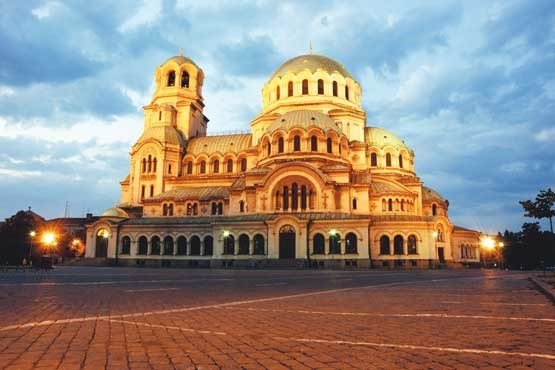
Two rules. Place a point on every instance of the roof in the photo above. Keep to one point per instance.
(386, 187)
(380, 137)
(163, 134)
(180, 59)
(219, 143)
(460, 228)
(201, 193)
(304, 119)
(115, 212)
(312, 63)
(429, 194)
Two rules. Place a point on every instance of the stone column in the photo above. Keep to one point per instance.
(202, 247)
(188, 246)
(149, 249)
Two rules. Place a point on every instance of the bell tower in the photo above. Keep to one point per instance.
(179, 86)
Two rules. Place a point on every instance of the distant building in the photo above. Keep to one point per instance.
(311, 182)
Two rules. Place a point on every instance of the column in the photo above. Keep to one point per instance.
(149, 249)
(188, 246)
(202, 247)
(251, 247)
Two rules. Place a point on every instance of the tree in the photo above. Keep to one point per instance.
(14, 237)
(542, 207)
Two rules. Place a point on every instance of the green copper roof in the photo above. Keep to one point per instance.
(313, 63)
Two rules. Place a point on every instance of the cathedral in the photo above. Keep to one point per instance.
(311, 184)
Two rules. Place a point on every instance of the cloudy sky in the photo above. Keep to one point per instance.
(470, 86)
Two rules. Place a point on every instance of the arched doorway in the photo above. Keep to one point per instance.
(287, 242)
(101, 247)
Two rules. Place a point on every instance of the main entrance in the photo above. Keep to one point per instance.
(441, 254)
(287, 242)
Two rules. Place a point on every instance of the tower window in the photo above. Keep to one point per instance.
(434, 209)
(189, 168)
(149, 163)
(401, 160)
(347, 92)
(329, 145)
(373, 159)
(160, 116)
(142, 192)
(334, 88)
(202, 168)
(171, 78)
(388, 160)
(144, 165)
(243, 165)
(185, 79)
(277, 93)
(169, 169)
(269, 149)
(242, 206)
(296, 143)
(320, 87)
(305, 87)
(280, 145)
(290, 88)
(314, 143)
(151, 190)
(216, 166)
(390, 205)
(355, 203)
(154, 165)
(229, 165)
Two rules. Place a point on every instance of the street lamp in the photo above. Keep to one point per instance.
(226, 234)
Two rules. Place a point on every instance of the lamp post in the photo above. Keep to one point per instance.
(32, 235)
(435, 235)
(226, 235)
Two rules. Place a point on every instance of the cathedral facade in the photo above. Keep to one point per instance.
(311, 184)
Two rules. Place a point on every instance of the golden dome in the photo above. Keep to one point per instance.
(312, 63)
(115, 212)
(180, 59)
(304, 119)
(380, 137)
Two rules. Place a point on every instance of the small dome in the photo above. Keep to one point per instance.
(380, 137)
(429, 194)
(304, 119)
(163, 134)
(115, 212)
(180, 59)
(312, 63)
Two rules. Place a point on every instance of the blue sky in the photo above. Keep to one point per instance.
(470, 87)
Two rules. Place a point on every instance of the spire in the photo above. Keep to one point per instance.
(180, 52)
(310, 47)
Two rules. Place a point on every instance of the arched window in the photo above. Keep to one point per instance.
(125, 245)
(155, 245)
(390, 205)
(171, 78)
(220, 208)
(229, 244)
(164, 209)
(182, 245)
(285, 198)
(294, 196)
(347, 92)
(216, 166)
(189, 168)
(434, 209)
(243, 244)
(373, 160)
(335, 243)
(329, 145)
(400, 160)
(208, 245)
(144, 165)
(202, 166)
(280, 145)
(277, 93)
(195, 209)
(411, 245)
(314, 143)
(305, 87)
(154, 165)
(334, 88)
(241, 206)
(303, 197)
(189, 209)
(355, 203)
(296, 143)
(185, 79)
(214, 208)
(243, 164)
(230, 165)
(269, 149)
(151, 190)
(159, 115)
(318, 246)
(402, 204)
(195, 245)
(384, 245)
(351, 243)
(398, 245)
(290, 88)
(149, 163)
(388, 160)
(258, 247)
(143, 245)
(168, 246)
(320, 87)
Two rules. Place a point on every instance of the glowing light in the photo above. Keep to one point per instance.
(104, 233)
(226, 233)
(487, 242)
(49, 238)
(33, 233)
(435, 234)
(76, 242)
(501, 244)
(333, 232)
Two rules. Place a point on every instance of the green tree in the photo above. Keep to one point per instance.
(542, 207)
(14, 237)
